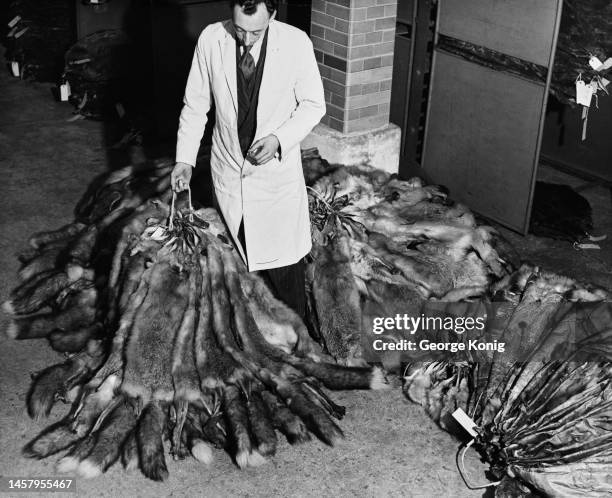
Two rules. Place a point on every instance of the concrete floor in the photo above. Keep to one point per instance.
(391, 447)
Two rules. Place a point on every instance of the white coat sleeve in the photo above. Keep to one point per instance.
(310, 100)
(197, 102)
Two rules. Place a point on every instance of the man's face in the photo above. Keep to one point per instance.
(250, 27)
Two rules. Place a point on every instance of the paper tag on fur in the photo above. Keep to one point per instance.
(81, 61)
(465, 421)
(594, 62)
(15, 69)
(606, 65)
(584, 93)
(14, 21)
(64, 92)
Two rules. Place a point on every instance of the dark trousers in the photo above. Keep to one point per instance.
(287, 282)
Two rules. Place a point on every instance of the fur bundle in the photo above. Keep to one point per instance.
(175, 347)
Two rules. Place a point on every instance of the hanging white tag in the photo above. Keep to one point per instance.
(606, 65)
(594, 62)
(14, 21)
(15, 69)
(17, 35)
(94, 1)
(465, 421)
(584, 93)
(602, 83)
(64, 92)
(120, 109)
(80, 61)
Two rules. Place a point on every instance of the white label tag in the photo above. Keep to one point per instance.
(606, 65)
(465, 421)
(17, 35)
(64, 92)
(584, 93)
(594, 62)
(120, 109)
(14, 21)
(81, 61)
(94, 1)
(15, 69)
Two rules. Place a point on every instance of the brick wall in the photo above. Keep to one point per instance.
(353, 41)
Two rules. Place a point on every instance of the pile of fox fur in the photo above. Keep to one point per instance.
(169, 337)
(383, 246)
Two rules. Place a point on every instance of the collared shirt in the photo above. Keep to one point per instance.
(255, 49)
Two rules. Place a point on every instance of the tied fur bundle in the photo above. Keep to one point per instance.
(171, 341)
(543, 409)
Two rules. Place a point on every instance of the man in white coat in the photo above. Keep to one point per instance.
(264, 80)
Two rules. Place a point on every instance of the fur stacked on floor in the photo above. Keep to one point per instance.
(169, 337)
(543, 407)
(384, 246)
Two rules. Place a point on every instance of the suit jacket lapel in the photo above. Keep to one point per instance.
(228, 56)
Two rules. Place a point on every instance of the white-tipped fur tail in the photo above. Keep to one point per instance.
(256, 459)
(12, 330)
(378, 381)
(7, 307)
(88, 469)
(245, 459)
(74, 272)
(242, 459)
(67, 464)
(202, 452)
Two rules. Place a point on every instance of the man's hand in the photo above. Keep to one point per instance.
(263, 150)
(181, 176)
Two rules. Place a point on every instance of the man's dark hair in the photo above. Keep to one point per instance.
(250, 6)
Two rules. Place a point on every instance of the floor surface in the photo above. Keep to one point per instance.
(391, 447)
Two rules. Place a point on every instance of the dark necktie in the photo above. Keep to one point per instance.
(247, 64)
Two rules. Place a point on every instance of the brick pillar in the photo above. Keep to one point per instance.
(353, 42)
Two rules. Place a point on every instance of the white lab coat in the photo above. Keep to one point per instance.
(271, 197)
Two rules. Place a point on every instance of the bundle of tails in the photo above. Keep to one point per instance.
(172, 344)
(542, 408)
(168, 337)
